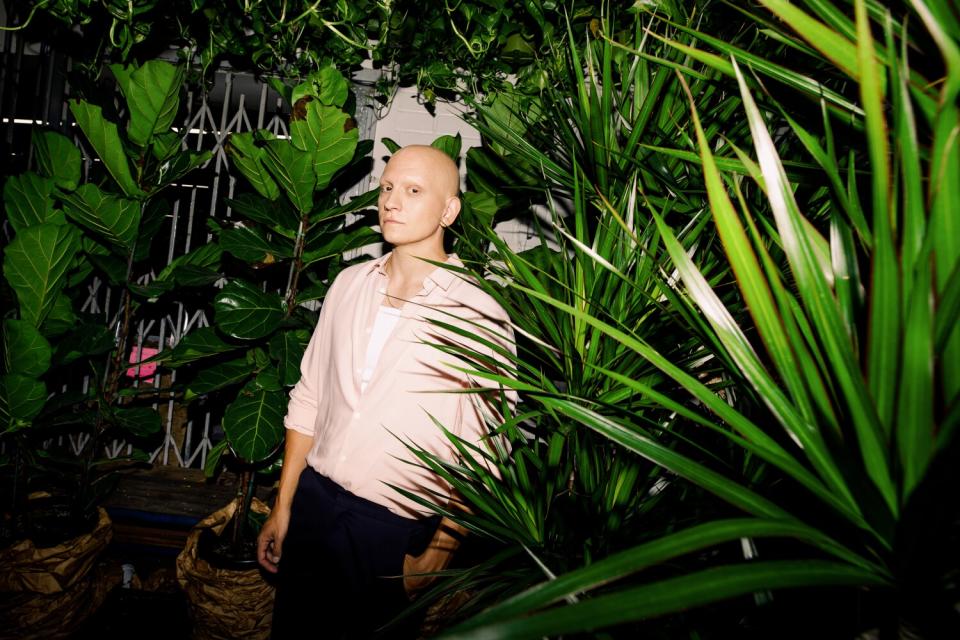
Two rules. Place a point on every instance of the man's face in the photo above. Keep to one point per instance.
(415, 198)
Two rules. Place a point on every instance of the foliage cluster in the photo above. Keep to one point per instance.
(71, 222)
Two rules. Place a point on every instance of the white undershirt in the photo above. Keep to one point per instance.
(387, 318)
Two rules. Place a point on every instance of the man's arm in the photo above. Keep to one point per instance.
(270, 540)
(436, 557)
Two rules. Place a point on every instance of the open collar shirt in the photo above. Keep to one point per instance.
(360, 436)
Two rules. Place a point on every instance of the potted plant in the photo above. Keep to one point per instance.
(285, 241)
(65, 232)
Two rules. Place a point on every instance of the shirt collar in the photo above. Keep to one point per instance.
(441, 276)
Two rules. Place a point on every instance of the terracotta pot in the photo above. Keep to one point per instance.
(46, 592)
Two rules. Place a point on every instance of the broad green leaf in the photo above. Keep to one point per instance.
(327, 133)
(337, 244)
(270, 213)
(450, 145)
(248, 158)
(138, 421)
(196, 345)
(392, 145)
(206, 256)
(28, 201)
(57, 158)
(218, 376)
(287, 349)
(152, 95)
(35, 264)
(61, 317)
(180, 165)
(155, 212)
(116, 219)
(328, 85)
(253, 423)
(26, 351)
(293, 171)
(251, 244)
(84, 339)
(481, 208)
(268, 380)
(105, 139)
(22, 397)
(244, 311)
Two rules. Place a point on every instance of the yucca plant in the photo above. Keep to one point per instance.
(837, 348)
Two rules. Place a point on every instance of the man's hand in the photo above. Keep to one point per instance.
(436, 558)
(270, 540)
(430, 561)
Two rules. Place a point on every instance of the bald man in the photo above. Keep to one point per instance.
(348, 539)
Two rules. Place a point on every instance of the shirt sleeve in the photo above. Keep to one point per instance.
(305, 395)
(496, 343)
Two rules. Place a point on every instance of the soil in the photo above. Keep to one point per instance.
(47, 522)
(220, 552)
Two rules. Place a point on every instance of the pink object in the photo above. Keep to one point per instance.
(145, 371)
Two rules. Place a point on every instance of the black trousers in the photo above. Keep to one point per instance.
(341, 566)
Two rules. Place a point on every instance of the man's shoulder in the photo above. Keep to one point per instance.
(468, 292)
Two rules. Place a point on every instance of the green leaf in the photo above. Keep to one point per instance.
(196, 345)
(248, 158)
(152, 95)
(480, 208)
(327, 133)
(138, 421)
(243, 311)
(21, 397)
(253, 423)
(61, 317)
(35, 264)
(206, 256)
(116, 219)
(251, 244)
(831, 44)
(84, 339)
(270, 213)
(668, 596)
(180, 165)
(287, 349)
(213, 458)
(293, 170)
(58, 158)
(25, 350)
(218, 376)
(450, 145)
(28, 201)
(338, 243)
(327, 85)
(105, 139)
(391, 145)
(268, 380)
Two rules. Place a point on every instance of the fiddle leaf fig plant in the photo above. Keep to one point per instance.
(67, 230)
(287, 235)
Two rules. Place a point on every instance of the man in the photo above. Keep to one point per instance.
(338, 534)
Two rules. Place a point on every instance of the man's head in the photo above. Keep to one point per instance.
(418, 198)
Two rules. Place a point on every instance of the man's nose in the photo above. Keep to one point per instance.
(390, 200)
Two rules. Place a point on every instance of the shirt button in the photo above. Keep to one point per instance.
(343, 458)
(356, 414)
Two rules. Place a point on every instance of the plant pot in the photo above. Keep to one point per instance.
(47, 591)
(225, 603)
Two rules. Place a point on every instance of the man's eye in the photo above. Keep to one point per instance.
(385, 188)
(414, 190)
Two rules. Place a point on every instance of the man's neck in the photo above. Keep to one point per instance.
(411, 266)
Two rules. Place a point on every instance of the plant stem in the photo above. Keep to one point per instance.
(296, 266)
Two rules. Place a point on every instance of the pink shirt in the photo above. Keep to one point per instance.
(357, 434)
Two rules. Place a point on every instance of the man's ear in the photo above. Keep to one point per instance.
(451, 211)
